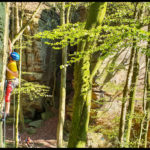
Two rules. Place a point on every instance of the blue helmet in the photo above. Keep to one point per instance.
(15, 56)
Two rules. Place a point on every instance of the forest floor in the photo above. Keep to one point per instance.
(45, 137)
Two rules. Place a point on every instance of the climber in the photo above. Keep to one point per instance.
(11, 77)
(28, 141)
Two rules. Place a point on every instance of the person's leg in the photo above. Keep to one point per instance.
(7, 108)
(7, 97)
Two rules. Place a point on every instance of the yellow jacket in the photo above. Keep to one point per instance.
(13, 67)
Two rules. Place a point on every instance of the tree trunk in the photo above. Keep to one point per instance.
(4, 24)
(147, 114)
(124, 101)
(62, 88)
(144, 102)
(18, 99)
(21, 116)
(145, 120)
(68, 14)
(130, 111)
(125, 91)
(82, 82)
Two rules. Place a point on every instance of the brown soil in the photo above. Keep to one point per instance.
(45, 137)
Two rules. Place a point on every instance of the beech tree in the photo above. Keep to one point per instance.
(127, 113)
(83, 81)
(122, 32)
(146, 102)
(62, 87)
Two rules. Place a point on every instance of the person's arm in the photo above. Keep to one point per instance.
(13, 73)
(10, 47)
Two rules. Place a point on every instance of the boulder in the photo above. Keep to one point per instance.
(31, 130)
(26, 120)
(36, 123)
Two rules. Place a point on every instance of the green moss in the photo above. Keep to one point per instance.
(98, 17)
(31, 130)
(82, 95)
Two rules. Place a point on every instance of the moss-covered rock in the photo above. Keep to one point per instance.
(27, 120)
(36, 124)
(31, 130)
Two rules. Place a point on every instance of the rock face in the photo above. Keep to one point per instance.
(3, 57)
(3, 47)
(40, 63)
(37, 56)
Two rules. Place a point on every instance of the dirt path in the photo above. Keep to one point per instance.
(45, 137)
